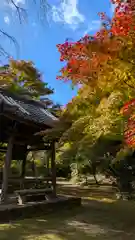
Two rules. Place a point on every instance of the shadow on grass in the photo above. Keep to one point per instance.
(95, 220)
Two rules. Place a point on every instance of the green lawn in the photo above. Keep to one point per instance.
(96, 220)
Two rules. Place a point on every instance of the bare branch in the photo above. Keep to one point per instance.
(44, 8)
(22, 15)
(12, 39)
(3, 52)
(21, 12)
(129, 85)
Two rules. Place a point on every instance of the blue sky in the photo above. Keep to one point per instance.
(37, 41)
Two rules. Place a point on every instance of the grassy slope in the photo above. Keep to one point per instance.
(99, 218)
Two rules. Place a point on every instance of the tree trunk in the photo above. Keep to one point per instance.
(34, 169)
(86, 180)
(94, 175)
(6, 169)
(93, 167)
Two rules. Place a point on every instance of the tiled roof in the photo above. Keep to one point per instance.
(27, 109)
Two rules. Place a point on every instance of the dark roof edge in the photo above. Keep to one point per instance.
(22, 98)
(16, 96)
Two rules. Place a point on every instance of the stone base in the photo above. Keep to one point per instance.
(14, 212)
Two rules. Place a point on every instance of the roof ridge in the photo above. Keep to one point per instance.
(16, 96)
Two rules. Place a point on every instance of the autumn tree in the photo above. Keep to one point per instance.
(104, 66)
(105, 60)
(24, 78)
(93, 56)
(89, 117)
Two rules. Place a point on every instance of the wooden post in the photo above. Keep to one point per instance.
(23, 173)
(6, 169)
(47, 165)
(53, 167)
(23, 168)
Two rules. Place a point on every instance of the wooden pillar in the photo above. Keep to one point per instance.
(46, 164)
(6, 169)
(53, 167)
(23, 168)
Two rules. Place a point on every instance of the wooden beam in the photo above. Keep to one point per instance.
(20, 120)
(6, 169)
(39, 148)
(21, 138)
(53, 168)
(4, 149)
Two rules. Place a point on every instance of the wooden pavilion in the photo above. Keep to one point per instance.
(20, 119)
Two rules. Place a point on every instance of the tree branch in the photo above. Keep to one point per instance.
(20, 11)
(130, 86)
(12, 39)
(22, 15)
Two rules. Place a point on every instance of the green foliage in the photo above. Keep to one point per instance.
(22, 77)
(94, 131)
